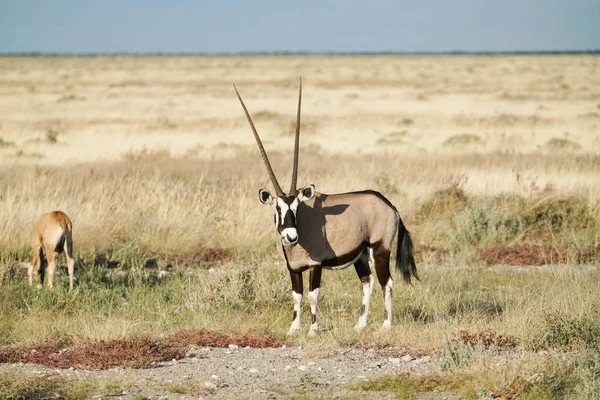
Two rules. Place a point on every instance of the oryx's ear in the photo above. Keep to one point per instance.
(265, 196)
(306, 193)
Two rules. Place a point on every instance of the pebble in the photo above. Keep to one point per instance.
(253, 371)
(302, 367)
(233, 346)
(407, 358)
(287, 368)
(422, 360)
(209, 385)
(394, 361)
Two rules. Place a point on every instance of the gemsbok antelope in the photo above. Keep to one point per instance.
(333, 231)
(52, 234)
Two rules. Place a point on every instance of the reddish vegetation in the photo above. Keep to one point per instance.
(538, 255)
(487, 338)
(134, 353)
(216, 339)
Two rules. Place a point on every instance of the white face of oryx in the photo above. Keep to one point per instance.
(286, 209)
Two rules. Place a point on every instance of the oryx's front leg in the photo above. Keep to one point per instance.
(313, 297)
(364, 273)
(297, 296)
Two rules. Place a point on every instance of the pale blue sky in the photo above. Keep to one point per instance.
(230, 26)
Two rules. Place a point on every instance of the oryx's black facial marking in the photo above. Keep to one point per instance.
(286, 208)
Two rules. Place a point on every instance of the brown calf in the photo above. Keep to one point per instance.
(52, 234)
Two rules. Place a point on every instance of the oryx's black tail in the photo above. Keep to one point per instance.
(405, 261)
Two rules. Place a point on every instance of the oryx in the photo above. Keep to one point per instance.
(334, 231)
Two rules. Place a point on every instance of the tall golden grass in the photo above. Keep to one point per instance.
(152, 158)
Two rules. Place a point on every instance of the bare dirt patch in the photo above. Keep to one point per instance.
(243, 372)
(134, 353)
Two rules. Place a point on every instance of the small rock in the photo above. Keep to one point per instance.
(422, 360)
(407, 358)
(233, 346)
(394, 361)
(361, 377)
(253, 371)
(215, 377)
(283, 346)
(302, 367)
(287, 368)
(210, 386)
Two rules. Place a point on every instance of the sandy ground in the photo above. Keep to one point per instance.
(251, 373)
(102, 108)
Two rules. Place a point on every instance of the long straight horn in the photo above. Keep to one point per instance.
(260, 147)
(293, 187)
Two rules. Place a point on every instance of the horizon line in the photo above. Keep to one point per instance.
(292, 53)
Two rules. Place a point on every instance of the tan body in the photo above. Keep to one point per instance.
(333, 230)
(52, 234)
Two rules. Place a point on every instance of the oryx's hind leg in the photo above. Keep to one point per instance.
(68, 250)
(364, 273)
(34, 269)
(313, 297)
(381, 259)
(297, 290)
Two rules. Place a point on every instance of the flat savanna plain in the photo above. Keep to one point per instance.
(492, 161)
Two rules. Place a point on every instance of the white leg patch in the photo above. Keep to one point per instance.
(387, 300)
(367, 290)
(313, 299)
(296, 322)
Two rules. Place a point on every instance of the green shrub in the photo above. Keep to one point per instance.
(565, 332)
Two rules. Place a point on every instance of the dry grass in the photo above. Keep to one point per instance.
(489, 159)
(103, 107)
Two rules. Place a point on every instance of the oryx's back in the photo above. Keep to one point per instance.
(334, 229)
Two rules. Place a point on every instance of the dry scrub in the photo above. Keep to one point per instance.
(490, 160)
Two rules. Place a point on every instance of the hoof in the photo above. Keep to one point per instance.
(386, 326)
(293, 331)
(360, 326)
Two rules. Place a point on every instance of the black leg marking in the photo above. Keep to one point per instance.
(297, 289)
(313, 295)
(315, 278)
(362, 267)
